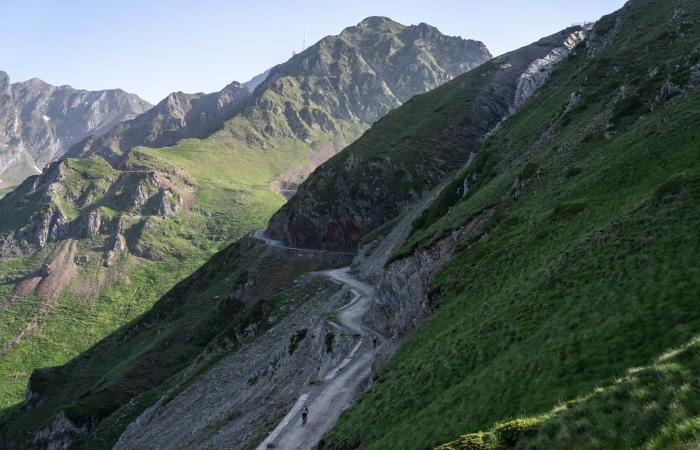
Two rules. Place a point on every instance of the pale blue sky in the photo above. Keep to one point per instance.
(153, 47)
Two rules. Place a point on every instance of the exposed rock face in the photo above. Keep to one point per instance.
(65, 202)
(117, 247)
(176, 117)
(39, 122)
(402, 287)
(59, 435)
(363, 187)
(540, 70)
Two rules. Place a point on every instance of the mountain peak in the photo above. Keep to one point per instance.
(378, 23)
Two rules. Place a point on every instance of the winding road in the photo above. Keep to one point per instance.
(339, 388)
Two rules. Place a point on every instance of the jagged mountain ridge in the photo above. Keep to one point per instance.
(39, 122)
(342, 83)
(178, 116)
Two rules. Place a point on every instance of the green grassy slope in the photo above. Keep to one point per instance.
(590, 264)
(226, 204)
(205, 316)
(654, 407)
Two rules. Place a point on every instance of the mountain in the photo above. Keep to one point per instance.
(547, 296)
(370, 183)
(39, 122)
(336, 87)
(255, 81)
(540, 293)
(96, 239)
(176, 117)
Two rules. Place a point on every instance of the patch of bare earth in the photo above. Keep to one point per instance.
(51, 280)
(21, 290)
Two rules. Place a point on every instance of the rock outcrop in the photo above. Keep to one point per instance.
(69, 199)
(60, 434)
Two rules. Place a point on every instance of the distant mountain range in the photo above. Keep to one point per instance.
(40, 122)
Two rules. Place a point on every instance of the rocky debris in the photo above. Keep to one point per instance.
(354, 193)
(59, 435)
(223, 408)
(39, 122)
(115, 249)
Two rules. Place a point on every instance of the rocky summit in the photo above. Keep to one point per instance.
(40, 122)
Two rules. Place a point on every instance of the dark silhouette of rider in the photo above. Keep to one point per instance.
(304, 414)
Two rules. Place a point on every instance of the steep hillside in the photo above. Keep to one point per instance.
(413, 149)
(122, 221)
(564, 256)
(611, 415)
(40, 122)
(229, 302)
